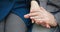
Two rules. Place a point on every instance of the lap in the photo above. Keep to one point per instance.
(13, 24)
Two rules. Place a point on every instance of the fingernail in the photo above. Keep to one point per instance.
(48, 26)
(26, 16)
(32, 21)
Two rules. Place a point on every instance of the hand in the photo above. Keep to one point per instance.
(40, 16)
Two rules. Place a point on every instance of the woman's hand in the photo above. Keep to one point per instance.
(40, 16)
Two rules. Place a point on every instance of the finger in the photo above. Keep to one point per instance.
(43, 23)
(37, 22)
(37, 17)
(26, 16)
(30, 15)
(47, 25)
(33, 14)
(32, 21)
(34, 17)
(34, 10)
(40, 22)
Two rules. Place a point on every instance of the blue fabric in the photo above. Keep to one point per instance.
(18, 7)
(5, 7)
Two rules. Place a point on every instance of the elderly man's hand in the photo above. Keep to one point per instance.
(40, 16)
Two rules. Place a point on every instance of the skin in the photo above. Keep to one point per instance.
(40, 16)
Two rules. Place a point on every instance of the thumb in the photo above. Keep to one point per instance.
(34, 4)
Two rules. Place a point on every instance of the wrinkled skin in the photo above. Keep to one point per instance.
(40, 16)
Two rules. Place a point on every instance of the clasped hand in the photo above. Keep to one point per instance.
(41, 16)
